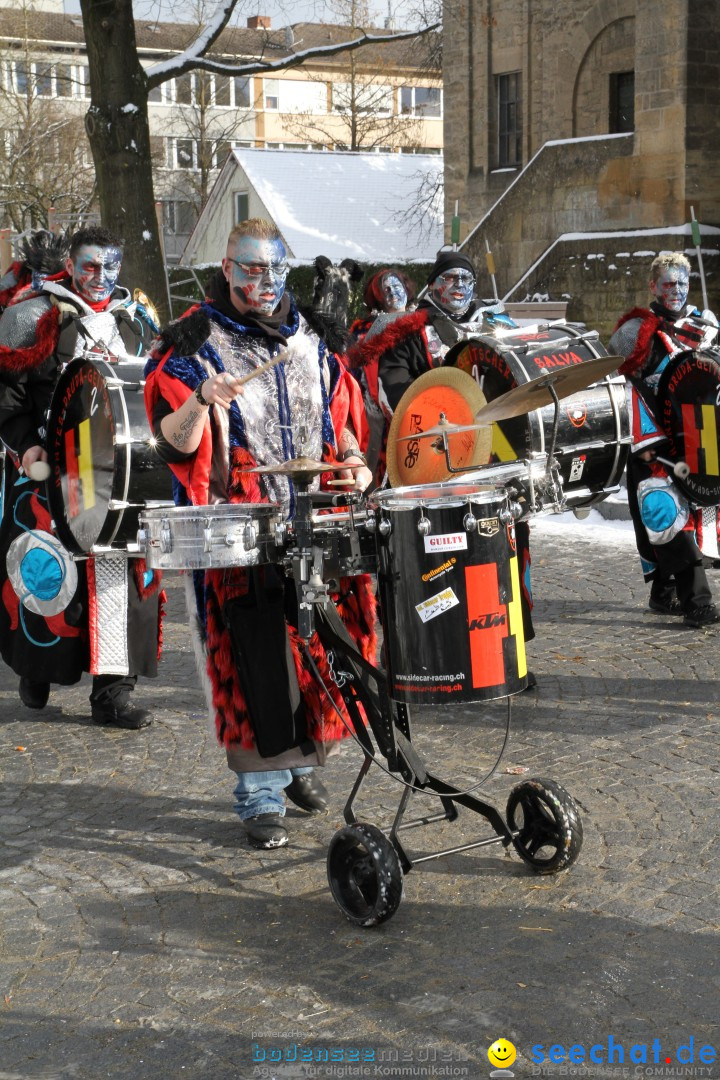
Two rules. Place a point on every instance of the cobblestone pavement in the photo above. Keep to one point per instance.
(140, 937)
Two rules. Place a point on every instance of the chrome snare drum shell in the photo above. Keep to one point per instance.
(205, 537)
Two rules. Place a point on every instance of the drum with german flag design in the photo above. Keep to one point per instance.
(450, 589)
(688, 409)
(104, 468)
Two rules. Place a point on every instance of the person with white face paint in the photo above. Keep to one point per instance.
(666, 525)
(48, 633)
(271, 717)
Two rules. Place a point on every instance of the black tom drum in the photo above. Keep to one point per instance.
(450, 593)
(104, 468)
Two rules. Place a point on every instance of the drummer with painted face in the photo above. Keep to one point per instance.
(50, 631)
(667, 526)
(273, 719)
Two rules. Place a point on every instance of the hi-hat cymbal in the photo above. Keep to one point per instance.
(536, 393)
(412, 458)
(302, 466)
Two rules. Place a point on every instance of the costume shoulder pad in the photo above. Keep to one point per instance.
(186, 334)
(18, 324)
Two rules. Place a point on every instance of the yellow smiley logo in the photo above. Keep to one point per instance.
(502, 1053)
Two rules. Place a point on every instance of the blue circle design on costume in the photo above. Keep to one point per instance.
(659, 510)
(42, 573)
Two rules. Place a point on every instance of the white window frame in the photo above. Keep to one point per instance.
(413, 111)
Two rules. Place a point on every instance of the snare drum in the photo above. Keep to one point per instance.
(201, 537)
(450, 592)
(104, 467)
(593, 437)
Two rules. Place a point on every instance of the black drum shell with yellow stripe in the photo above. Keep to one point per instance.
(104, 468)
(688, 409)
(450, 598)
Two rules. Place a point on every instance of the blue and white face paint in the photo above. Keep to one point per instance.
(453, 290)
(394, 293)
(256, 271)
(94, 271)
(671, 288)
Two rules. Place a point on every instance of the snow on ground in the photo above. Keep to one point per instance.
(594, 527)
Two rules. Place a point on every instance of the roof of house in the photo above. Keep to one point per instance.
(342, 204)
(54, 29)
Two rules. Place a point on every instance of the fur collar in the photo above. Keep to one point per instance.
(367, 352)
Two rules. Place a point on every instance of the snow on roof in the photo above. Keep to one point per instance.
(346, 205)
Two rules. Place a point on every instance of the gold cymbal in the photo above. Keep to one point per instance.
(442, 392)
(536, 393)
(302, 466)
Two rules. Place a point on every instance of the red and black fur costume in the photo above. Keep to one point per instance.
(191, 350)
(38, 333)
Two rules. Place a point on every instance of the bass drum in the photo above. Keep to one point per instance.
(594, 426)
(688, 410)
(104, 468)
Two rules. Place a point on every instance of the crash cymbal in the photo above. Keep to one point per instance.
(536, 393)
(302, 466)
(448, 392)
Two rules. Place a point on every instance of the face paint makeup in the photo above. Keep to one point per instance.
(453, 291)
(671, 288)
(394, 293)
(95, 270)
(256, 271)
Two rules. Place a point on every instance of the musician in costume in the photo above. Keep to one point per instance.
(417, 342)
(212, 430)
(666, 524)
(51, 626)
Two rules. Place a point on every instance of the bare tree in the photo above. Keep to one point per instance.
(117, 121)
(43, 146)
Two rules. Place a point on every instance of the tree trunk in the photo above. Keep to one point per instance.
(119, 134)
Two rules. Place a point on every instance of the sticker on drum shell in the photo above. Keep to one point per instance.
(436, 605)
(446, 542)
(488, 526)
(577, 467)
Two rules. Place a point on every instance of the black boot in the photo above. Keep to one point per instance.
(110, 703)
(34, 694)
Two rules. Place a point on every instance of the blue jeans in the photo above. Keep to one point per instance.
(262, 792)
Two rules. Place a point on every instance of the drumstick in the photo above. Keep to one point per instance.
(242, 379)
(339, 483)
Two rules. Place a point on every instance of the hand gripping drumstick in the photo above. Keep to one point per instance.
(242, 379)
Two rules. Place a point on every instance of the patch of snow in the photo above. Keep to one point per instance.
(130, 108)
(594, 527)
(147, 235)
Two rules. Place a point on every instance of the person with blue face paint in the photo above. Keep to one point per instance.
(270, 716)
(666, 525)
(47, 632)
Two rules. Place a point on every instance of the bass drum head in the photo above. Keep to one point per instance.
(689, 414)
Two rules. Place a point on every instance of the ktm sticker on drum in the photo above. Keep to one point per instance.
(435, 605)
(446, 542)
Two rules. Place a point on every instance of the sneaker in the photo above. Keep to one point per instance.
(308, 793)
(665, 606)
(120, 714)
(34, 694)
(702, 615)
(265, 831)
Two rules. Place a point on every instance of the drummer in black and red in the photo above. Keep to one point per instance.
(47, 632)
(666, 525)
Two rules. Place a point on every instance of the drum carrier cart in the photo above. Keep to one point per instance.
(365, 865)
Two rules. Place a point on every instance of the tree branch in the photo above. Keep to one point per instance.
(189, 60)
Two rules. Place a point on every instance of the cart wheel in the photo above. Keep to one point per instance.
(548, 825)
(365, 875)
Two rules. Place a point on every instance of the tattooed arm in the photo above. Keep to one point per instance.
(349, 450)
(183, 428)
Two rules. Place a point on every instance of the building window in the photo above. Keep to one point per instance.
(420, 101)
(508, 89)
(294, 96)
(180, 216)
(242, 206)
(184, 154)
(64, 81)
(243, 92)
(365, 99)
(622, 102)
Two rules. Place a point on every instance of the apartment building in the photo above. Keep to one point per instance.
(382, 98)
